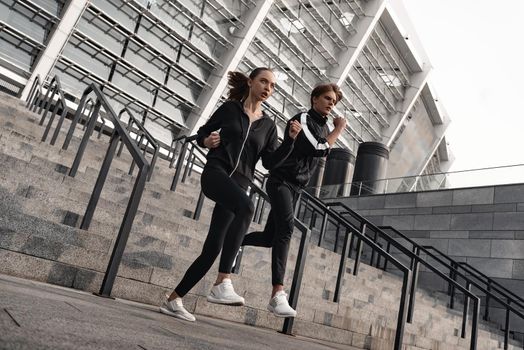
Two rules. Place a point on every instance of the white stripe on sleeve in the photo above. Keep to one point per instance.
(309, 135)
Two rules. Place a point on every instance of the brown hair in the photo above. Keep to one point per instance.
(323, 88)
(238, 88)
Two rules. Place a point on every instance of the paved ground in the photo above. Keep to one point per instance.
(35, 316)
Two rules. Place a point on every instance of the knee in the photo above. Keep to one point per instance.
(246, 208)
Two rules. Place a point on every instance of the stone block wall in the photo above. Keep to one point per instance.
(483, 226)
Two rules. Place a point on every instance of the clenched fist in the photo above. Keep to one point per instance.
(339, 122)
(213, 140)
(294, 129)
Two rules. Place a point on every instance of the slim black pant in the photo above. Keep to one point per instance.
(229, 223)
(279, 227)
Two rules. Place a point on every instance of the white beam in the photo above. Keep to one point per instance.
(373, 10)
(218, 79)
(55, 45)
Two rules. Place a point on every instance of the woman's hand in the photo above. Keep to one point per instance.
(294, 129)
(213, 140)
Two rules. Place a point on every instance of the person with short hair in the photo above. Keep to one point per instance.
(286, 180)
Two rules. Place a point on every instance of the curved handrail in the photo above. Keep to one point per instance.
(119, 134)
(54, 87)
(407, 277)
(142, 131)
(34, 92)
(415, 260)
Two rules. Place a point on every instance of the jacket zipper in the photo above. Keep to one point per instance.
(241, 149)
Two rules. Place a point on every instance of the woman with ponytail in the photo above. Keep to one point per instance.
(237, 135)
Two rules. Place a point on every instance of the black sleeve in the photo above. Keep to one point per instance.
(274, 155)
(213, 123)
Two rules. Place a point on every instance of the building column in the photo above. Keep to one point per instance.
(208, 99)
(59, 38)
(365, 26)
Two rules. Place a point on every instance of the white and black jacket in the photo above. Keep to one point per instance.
(310, 145)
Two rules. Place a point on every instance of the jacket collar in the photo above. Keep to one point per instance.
(317, 117)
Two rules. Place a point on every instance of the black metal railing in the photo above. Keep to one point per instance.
(35, 94)
(504, 300)
(119, 134)
(359, 233)
(187, 145)
(54, 88)
(173, 151)
(415, 261)
(143, 139)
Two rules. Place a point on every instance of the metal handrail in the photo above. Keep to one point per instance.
(454, 268)
(142, 133)
(180, 161)
(492, 284)
(359, 233)
(119, 134)
(174, 148)
(34, 93)
(54, 88)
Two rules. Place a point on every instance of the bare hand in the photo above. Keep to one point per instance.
(213, 140)
(294, 129)
(339, 122)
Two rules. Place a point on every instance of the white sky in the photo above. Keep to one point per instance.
(476, 48)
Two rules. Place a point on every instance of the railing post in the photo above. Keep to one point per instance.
(465, 311)
(360, 245)
(388, 248)
(85, 139)
(102, 175)
(297, 277)
(453, 276)
(123, 234)
(486, 308)
(402, 311)
(506, 328)
(342, 266)
(188, 163)
(200, 203)
(59, 124)
(414, 280)
(474, 324)
(179, 165)
(323, 228)
(50, 122)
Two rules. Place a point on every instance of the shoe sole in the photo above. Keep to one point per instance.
(272, 310)
(224, 302)
(175, 315)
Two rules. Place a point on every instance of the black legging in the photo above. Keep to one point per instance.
(229, 223)
(279, 227)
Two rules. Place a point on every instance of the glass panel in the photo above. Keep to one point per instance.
(195, 65)
(123, 14)
(24, 20)
(16, 52)
(171, 16)
(145, 61)
(133, 84)
(87, 57)
(107, 36)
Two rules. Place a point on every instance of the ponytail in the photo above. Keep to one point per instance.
(238, 87)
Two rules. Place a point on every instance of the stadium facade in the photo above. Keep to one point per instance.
(168, 59)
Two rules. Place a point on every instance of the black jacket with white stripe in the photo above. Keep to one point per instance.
(310, 145)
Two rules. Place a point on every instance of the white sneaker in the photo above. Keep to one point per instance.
(176, 309)
(279, 305)
(224, 293)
